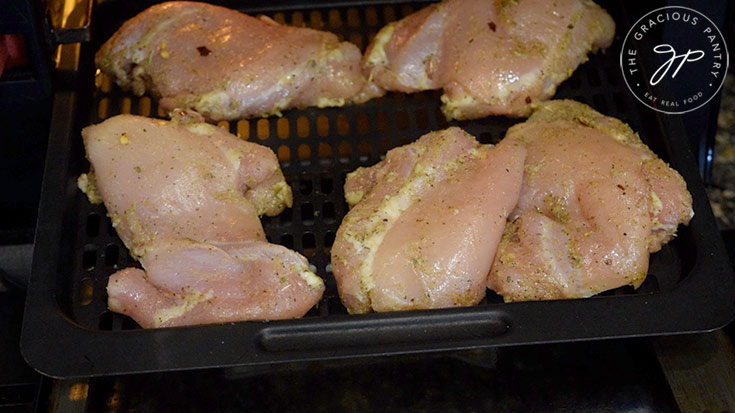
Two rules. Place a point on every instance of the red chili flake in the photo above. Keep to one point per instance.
(621, 187)
(492, 26)
(528, 99)
(203, 51)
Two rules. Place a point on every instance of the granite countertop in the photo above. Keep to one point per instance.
(721, 189)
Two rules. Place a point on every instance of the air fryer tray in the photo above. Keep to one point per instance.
(68, 330)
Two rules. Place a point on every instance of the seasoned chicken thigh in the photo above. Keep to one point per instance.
(490, 57)
(181, 179)
(228, 65)
(425, 223)
(595, 202)
(187, 283)
(185, 196)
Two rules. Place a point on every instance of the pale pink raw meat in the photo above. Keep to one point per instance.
(490, 57)
(187, 283)
(595, 203)
(425, 223)
(228, 65)
(185, 197)
(182, 179)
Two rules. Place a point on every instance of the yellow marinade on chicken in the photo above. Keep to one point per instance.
(185, 198)
(596, 203)
(228, 65)
(489, 57)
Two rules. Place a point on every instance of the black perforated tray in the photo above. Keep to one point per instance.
(68, 330)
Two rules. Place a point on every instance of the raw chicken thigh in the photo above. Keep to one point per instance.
(425, 223)
(186, 283)
(490, 57)
(595, 203)
(185, 196)
(228, 65)
(182, 179)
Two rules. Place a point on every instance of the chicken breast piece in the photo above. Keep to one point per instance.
(425, 223)
(189, 283)
(181, 179)
(490, 57)
(228, 65)
(595, 203)
(185, 196)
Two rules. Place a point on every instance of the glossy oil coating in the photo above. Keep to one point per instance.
(187, 283)
(181, 179)
(228, 65)
(184, 197)
(490, 57)
(425, 223)
(595, 203)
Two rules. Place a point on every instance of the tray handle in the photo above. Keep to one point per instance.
(356, 332)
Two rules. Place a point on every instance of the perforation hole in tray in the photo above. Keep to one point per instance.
(322, 125)
(304, 152)
(284, 154)
(112, 254)
(93, 225)
(243, 129)
(86, 291)
(326, 185)
(324, 151)
(307, 214)
(308, 243)
(89, 257)
(263, 129)
(144, 106)
(328, 213)
(317, 148)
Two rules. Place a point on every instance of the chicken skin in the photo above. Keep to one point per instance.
(595, 203)
(185, 197)
(228, 65)
(425, 223)
(490, 57)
